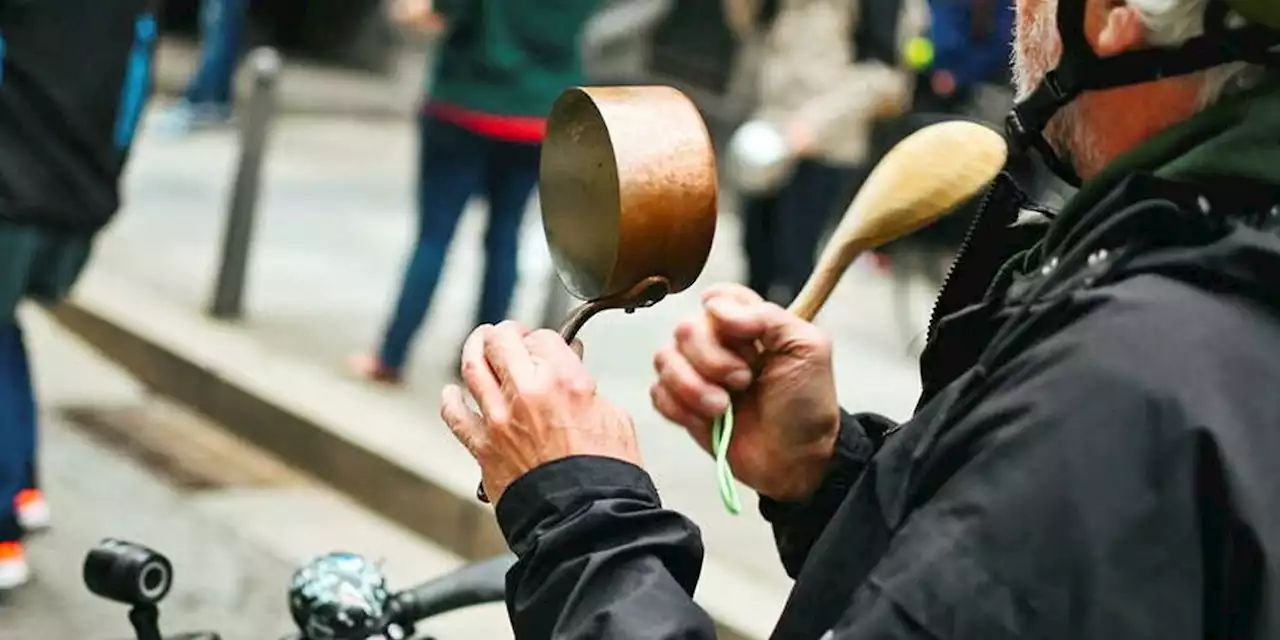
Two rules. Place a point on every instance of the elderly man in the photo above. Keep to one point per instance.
(1093, 456)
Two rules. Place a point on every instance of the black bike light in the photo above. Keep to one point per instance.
(127, 572)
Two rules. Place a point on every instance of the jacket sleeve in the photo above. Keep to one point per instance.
(598, 556)
(1063, 505)
(797, 525)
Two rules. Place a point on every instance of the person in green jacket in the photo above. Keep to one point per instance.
(500, 66)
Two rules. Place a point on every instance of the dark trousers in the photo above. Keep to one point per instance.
(38, 264)
(456, 164)
(782, 231)
(17, 428)
(222, 27)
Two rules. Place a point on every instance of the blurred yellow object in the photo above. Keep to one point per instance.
(918, 53)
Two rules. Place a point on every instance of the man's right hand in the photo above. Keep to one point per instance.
(784, 407)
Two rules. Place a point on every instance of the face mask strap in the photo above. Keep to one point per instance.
(1082, 70)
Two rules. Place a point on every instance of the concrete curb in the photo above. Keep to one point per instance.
(313, 421)
(313, 88)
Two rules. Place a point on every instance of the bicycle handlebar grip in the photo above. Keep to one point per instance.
(127, 572)
(474, 584)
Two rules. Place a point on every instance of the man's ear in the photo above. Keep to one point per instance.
(1122, 30)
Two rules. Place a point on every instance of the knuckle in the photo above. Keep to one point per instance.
(581, 386)
(545, 335)
(661, 402)
(680, 381)
(686, 329)
(470, 367)
(534, 389)
(499, 420)
(661, 358)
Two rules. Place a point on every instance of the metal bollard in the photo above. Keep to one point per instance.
(228, 294)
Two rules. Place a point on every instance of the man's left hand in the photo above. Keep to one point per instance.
(538, 404)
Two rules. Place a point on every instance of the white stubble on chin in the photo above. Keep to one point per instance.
(1037, 49)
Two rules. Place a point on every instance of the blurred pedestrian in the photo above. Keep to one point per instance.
(618, 45)
(67, 118)
(209, 97)
(972, 44)
(828, 69)
(499, 67)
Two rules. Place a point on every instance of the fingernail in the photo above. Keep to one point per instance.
(716, 401)
(739, 379)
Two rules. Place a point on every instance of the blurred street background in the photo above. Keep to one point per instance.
(240, 448)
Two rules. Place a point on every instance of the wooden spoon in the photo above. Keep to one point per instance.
(924, 177)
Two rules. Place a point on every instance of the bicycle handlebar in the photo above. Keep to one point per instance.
(474, 584)
(334, 595)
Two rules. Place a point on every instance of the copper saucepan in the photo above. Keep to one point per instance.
(628, 191)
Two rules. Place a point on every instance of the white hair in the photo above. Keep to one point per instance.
(1172, 22)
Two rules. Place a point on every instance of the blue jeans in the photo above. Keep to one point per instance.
(17, 428)
(455, 164)
(222, 27)
(39, 264)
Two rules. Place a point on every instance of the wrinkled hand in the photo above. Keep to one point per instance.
(785, 414)
(538, 404)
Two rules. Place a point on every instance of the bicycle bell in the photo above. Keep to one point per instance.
(340, 596)
(760, 158)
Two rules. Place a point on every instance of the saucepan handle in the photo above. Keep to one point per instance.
(645, 293)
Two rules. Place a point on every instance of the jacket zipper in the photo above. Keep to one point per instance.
(969, 235)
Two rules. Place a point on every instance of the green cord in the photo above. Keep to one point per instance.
(721, 432)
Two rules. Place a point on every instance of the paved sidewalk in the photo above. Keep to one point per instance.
(234, 539)
(334, 225)
(313, 87)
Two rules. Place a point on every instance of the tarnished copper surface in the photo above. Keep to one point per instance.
(628, 189)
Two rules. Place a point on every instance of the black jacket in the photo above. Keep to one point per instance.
(1093, 456)
(76, 75)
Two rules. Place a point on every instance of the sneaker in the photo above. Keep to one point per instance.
(14, 570)
(33, 510)
(369, 368)
(184, 118)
